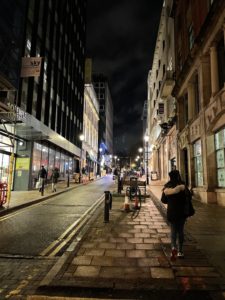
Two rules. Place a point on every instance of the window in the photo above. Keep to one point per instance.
(191, 36)
(102, 108)
(220, 158)
(198, 163)
(185, 109)
(210, 2)
(196, 88)
(164, 69)
(221, 62)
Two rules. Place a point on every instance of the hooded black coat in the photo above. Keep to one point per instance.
(176, 207)
(175, 202)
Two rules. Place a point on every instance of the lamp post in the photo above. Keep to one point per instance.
(81, 137)
(146, 138)
(140, 150)
(115, 157)
(100, 161)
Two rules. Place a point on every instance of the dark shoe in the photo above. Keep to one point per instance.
(180, 254)
(173, 254)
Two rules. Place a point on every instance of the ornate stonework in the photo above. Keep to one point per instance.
(183, 138)
(195, 130)
(214, 110)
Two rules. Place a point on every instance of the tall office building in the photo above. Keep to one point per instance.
(50, 110)
(106, 118)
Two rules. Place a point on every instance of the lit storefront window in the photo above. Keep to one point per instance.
(57, 159)
(4, 167)
(50, 158)
(62, 165)
(44, 156)
(198, 163)
(220, 161)
(5, 143)
(51, 163)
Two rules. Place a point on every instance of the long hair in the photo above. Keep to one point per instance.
(175, 179)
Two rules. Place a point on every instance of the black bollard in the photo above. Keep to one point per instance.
(119, 187)
(68, 180)
(42, 187)
(108, 205)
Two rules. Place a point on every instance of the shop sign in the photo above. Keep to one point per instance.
(22, 164)
(31, 66)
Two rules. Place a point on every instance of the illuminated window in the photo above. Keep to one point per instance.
(220, 157)
(198, 163)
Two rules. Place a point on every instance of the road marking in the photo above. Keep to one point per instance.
(21, 210)
(67, 235)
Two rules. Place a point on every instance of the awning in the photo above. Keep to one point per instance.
(90, 156)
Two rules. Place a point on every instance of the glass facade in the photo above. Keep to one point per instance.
(220, 163)
(51, 158)
(58, 36)
(198, 163)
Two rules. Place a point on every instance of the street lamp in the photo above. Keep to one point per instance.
(115, 157)
(146, 138)
(140, 150)
(81, 137)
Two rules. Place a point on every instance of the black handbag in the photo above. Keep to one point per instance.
(189, 210)
(164, 199)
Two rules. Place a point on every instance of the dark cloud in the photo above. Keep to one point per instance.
(121, 38)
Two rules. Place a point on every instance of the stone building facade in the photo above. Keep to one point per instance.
(200, 94)
(161, 104)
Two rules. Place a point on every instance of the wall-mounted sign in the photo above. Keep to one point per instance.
(22, 163)
(31, 66)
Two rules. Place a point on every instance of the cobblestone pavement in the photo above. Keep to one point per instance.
(128, 253)
(125, 259)
(21, 276)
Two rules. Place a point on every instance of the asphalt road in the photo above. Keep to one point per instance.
(30, 231)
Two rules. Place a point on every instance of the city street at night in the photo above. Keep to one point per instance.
(112, 150)
(124, 259)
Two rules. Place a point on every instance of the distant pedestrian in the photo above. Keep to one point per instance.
(174, 196)
(42, 175)
(116, 175)
(55, 177)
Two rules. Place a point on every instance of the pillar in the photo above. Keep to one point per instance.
(214, 70)
(209, 167)
(205, 80)
(224, 33)
(191, 100)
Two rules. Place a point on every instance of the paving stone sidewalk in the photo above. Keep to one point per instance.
(133, 254)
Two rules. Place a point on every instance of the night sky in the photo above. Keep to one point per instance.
(121, 36)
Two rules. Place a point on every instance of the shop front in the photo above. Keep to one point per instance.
(51, 157)
(5, 153)
(32, 155)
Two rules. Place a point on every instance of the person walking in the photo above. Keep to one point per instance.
(55, 176)
(174, 196)
(42, 175)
